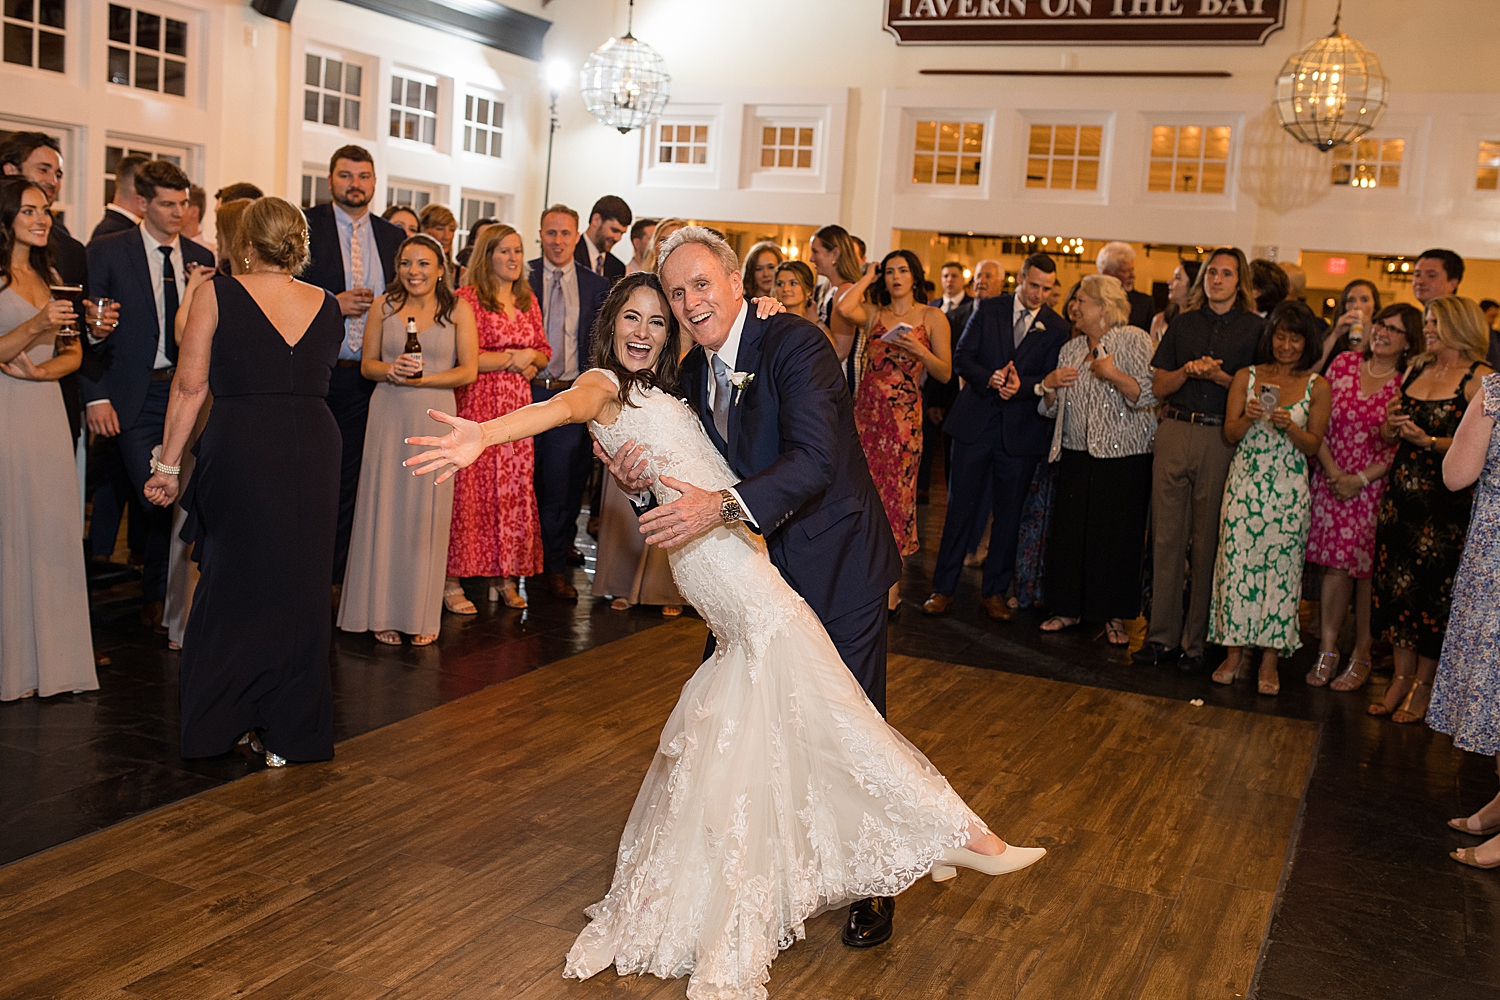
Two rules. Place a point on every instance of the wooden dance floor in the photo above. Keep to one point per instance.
(451, 855)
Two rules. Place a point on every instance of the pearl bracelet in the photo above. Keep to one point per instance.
(1363, 478)
(166, 470)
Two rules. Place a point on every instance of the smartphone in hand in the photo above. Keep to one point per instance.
(1270, 396)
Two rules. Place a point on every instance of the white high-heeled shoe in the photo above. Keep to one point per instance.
(1013, 860)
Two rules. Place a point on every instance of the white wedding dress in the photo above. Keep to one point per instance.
(777, 790)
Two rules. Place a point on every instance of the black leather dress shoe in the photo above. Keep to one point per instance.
(1191, 665)
(1155, 654)
(870, 922)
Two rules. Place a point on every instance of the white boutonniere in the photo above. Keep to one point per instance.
(1037, 327)
(741, 381)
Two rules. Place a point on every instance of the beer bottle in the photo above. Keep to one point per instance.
(413, 346)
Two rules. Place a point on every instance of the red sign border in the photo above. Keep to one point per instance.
(1277, 24)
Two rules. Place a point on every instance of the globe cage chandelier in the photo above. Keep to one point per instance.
(625, 83)
(1332, 92)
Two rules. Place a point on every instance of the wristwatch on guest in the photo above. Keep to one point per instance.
(730, 510)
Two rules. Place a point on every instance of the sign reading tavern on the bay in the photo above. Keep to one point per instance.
(1083, 22)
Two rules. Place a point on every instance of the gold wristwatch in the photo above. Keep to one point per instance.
(730, 510)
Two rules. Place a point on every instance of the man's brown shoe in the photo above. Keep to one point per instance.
(996, 607)
(558, 586)
(936, 604)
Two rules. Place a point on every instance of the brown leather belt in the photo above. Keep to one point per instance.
(163, 374)
(346, 363)
(552, 383)
(1192, 416)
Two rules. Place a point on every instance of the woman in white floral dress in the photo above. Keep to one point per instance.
(777, 790)
(1267, 502)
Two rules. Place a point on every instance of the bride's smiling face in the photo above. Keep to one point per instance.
(641, 329)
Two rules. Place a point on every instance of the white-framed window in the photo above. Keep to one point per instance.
(117, 149)
(1368, 163)
(34, 33)
(1064, 157)
(147, 50)
(484, 124)
(414, 106)
(333, 90)
(947, 152)
(788, 145)
(1487, 176)
(477, 205)
(682, 143)
(413, 194)
(314, 187)
(1189, 159)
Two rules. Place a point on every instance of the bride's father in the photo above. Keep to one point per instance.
(774, 401)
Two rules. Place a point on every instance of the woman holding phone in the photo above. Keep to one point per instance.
(1277, 413)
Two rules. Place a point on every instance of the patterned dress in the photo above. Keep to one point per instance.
(1420, 536)
(1258, 570)
(1031, 539)
(1343, 531)
(496, 531)
(888, 413)
(1466, 693)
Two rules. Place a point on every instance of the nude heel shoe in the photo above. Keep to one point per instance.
(1013, 860)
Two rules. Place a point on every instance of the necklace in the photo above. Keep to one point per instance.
(898, 315)
(1370, 371)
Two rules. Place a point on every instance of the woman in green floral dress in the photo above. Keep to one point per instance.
(1267, 502)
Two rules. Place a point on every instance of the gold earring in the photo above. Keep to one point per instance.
(247, 263)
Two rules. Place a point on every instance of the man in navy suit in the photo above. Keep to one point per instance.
(352, 255)
(571, 296)
(1009, 345)
(608, 222)
(937, 397)
(145, 270)
(124, 210)
(789, 436)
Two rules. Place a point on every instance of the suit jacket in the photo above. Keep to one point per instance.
(987, 345)
(793, 445)
(325, 265)
(1142, 308)
(113, 222)
(614, 268)
(118, 269)
(942, 394)
(592, 291)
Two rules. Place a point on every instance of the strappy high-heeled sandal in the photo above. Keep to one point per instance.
(456, 601)
(1381, 707)
(509, 593)
(1353, 678)
(1322, 673)
(1404, 715)
(1225, 675)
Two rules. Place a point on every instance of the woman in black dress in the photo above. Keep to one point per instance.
(255, 655)
(1419, 537)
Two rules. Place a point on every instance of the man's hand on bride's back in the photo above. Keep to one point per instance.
(690, 514)
(457, 449)
(628, 465)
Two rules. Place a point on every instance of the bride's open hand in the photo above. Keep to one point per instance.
(453, 451)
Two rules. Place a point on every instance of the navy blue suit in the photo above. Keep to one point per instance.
(803, 476)
(996, 441)
(564, 455)
(117, 269)
(348, 391)
(614, 268)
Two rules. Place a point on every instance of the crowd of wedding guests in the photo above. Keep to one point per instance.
(1102, 457)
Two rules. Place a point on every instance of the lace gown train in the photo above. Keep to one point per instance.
(777, 790)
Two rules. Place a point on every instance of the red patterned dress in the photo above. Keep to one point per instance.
(496, 531)
(888, 413)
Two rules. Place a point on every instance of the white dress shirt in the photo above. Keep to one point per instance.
(951, 303)
(569, 275)
(154, 262)
(594, 253)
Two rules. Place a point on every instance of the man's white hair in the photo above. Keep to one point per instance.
(996, 263)
(1112, 255)
(704, 237)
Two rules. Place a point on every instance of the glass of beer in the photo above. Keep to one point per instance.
(72, 293)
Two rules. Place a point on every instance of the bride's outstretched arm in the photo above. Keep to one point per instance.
(589, 397)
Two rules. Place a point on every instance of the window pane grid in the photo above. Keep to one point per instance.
(411, 196)
(413, 109)
(113, 155)
(1189, 159)
(1065, 157)
(787, 147)
(682, 144)
(33, 33)
(147, 51)
(333, 92)
(947, 153)
(484, 122)
(1368, 163)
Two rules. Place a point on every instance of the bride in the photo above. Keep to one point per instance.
(777, 790)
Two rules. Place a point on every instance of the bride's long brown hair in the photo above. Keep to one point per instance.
(663, 375)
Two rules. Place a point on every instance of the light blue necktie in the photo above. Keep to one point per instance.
(721, 398)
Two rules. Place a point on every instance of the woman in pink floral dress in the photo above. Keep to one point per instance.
(1346, 486)
(496, 531)
(906, 337)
